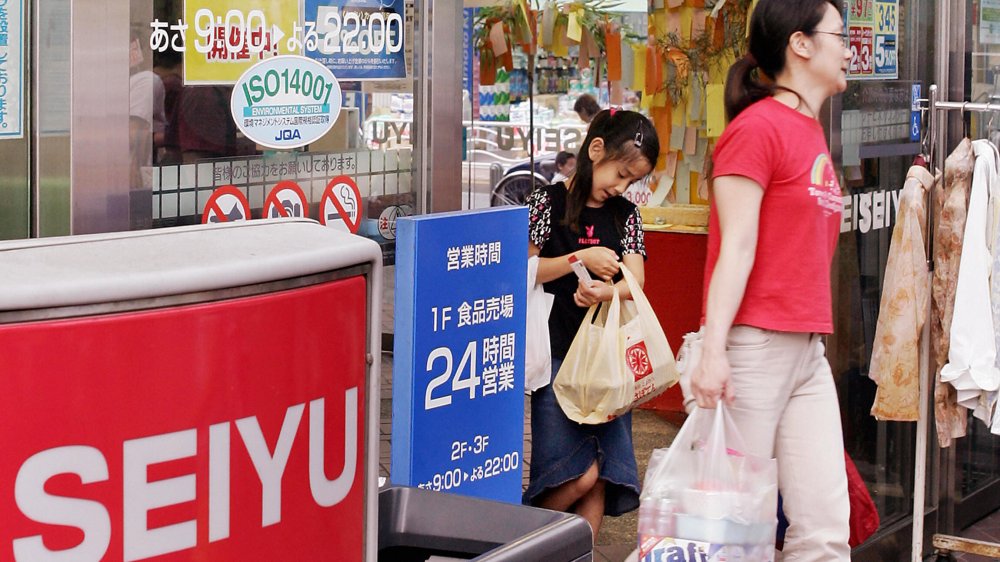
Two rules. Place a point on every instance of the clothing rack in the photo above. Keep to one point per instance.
(938, 146)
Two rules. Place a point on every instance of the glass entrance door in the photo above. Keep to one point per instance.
(875, 140)
(185, 145)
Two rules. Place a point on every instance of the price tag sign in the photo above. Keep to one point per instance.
(458, 378)
(861, 50)
(873, 28)
(357, 39)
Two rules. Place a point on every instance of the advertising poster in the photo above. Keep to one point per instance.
(11, 68)
(989, 22)
(224, 38)
(872, 29)
(357, 39)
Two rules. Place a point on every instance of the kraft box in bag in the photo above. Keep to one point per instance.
(705, 500)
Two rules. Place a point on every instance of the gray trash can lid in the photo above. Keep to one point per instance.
(102, 268)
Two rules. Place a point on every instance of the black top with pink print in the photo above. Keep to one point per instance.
(598, 227)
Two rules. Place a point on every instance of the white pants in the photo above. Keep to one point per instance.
(786, 407)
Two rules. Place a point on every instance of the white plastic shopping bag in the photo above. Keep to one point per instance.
(705, 495)
(537, 353)
(619, 359)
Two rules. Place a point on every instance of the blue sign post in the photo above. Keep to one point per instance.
(458, 374)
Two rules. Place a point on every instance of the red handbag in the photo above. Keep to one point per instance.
(864, 516)
(864, 519)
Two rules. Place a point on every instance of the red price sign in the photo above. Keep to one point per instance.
(862, 46)
(861, 9)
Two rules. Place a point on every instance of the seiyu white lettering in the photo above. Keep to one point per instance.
(140, 496)
(872, 210)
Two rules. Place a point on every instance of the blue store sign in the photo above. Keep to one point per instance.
(357, 39)
(458, 376)
(286, 102)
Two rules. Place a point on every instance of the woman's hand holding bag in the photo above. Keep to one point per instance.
(619, 359)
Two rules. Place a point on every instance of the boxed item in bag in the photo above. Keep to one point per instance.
(705, 500)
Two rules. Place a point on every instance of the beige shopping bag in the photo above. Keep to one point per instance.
(619, 359)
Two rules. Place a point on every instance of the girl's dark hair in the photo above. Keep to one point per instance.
(627, 136)
(771, 26)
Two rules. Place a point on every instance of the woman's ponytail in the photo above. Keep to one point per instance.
(743, 87)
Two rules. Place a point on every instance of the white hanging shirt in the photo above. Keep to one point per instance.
(972, 367)
(993, 236)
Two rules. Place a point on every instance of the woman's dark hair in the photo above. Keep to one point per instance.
(586, 107)
(627, 136)
(771, 26)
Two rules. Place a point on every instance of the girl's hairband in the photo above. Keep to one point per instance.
(637, 140)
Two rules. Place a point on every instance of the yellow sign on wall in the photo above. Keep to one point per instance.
(226, 37)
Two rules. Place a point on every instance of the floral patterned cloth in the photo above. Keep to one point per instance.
(895, 364)
(950, 210)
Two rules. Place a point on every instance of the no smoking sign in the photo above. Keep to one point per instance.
(340, 206)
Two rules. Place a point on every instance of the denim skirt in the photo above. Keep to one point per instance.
(562, 450)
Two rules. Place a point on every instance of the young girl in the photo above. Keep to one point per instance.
(773, 227)
(587, 469)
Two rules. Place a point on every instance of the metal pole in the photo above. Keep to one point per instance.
(531, 116)
(920, 456)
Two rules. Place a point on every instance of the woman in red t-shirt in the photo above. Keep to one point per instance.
(773, 227)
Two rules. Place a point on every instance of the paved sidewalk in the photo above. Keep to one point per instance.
(618, 534)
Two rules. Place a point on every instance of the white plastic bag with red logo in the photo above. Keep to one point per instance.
(619, 359)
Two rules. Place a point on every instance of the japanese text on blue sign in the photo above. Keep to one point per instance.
(458, 378)
(11, 68)
(358, 39)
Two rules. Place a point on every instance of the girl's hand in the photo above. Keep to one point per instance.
(711, 379)
(589, 294)
(601, 261)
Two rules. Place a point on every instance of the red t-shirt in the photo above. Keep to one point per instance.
(786, 153)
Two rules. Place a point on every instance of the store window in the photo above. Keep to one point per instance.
(499, 114)
(875, 129)
(184, 59)
(977, 470)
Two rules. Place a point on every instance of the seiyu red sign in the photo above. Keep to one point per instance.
(232, 430)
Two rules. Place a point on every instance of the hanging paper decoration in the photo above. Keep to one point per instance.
(613, 51)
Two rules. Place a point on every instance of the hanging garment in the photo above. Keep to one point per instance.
(895, 364)
(950, 204)
(993, 237)
(971, 366)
